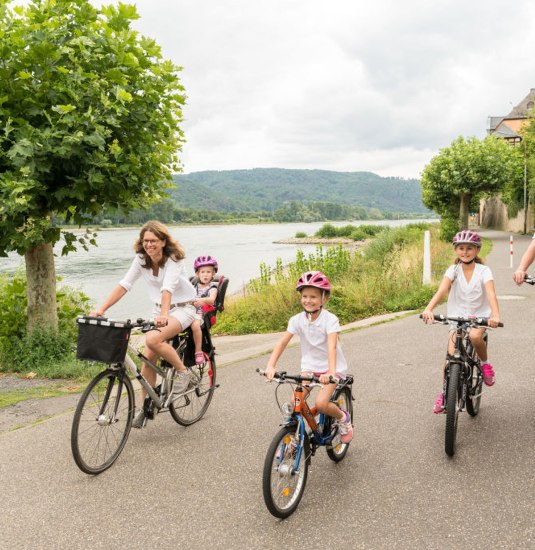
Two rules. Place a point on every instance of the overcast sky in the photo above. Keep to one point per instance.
(344, 85)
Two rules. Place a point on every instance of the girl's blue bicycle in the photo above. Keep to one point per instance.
(288, 457)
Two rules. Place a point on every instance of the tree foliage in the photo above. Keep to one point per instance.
(89, 115)
(468, 169)
(89, 119)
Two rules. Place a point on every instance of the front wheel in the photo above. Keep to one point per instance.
(285, 472)
(453, 396)
(337, 450)
(475, 388)
(190, 406)
(102, 421)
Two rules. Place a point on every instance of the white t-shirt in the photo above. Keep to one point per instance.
(172, 276)
(313, 337)
(465, 298)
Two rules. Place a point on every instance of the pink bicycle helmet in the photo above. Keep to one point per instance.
(202, 261)
(467, 237)
(313, 278)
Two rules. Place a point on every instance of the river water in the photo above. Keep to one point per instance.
(239, 249)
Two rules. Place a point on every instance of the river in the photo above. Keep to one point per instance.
(239, 249)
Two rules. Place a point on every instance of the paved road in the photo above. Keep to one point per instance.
(200, 486)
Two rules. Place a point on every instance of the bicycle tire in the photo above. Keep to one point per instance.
(475, 383)
(337, 450)
(190, 407)
(102, 421)
(283, 489)
(452, 407)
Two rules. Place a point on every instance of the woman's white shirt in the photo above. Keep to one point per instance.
(172, 276)
(469, 298)
(313, 337)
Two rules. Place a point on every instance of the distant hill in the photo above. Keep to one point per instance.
(267, 188)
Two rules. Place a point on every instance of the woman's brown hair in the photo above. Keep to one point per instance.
(172, 248)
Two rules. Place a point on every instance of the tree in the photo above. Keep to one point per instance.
(89, 119)
(469, 168)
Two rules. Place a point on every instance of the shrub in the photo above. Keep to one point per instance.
(300, 235)
(44, 351)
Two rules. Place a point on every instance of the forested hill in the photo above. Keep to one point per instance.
(267, 188)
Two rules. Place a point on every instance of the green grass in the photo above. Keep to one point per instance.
(384, 277)
(12, 397)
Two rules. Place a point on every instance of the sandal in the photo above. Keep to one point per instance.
(199, 358)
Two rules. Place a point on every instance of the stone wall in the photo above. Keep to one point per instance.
(493, 215)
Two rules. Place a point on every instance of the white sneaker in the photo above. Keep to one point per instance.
(182, 380)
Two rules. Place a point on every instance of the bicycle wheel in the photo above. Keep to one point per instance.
(475, 389)
(189, 407)
(475, 383)
(337, 450)
(453, 395)
(282, 487)
(102, 421)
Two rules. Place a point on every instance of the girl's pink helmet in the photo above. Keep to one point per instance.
(314, 278)
(467, 237)
(202, 261)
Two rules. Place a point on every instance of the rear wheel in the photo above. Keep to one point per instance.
(338, 450)
(283, 486)
(102, 421)
(190, 406)
(453, 396)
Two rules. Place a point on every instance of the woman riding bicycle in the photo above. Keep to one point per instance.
(470, 286)
(160, 261)
(321, 354)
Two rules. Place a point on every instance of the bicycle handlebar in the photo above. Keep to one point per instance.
(472, 321)
(282, 376)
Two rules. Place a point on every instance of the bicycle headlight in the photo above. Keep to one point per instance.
(287, 410)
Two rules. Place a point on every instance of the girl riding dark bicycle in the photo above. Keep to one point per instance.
(470, 288)
(321, 353)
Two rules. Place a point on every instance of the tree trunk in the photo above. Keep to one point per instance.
(464, 210)
(41, 287)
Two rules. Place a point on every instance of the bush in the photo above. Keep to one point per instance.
(300, 235)
(385, 277)
(43, 351)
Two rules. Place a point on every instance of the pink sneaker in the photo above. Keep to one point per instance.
(488, 374)
(439, 404)
(345, 428)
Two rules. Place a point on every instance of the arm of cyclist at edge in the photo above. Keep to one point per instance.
(525, 262)
(271, 368)
(442, 292)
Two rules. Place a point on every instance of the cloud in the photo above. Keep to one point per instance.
(342, 85)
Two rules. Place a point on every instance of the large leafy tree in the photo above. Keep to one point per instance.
(89, 119)
(464, 172)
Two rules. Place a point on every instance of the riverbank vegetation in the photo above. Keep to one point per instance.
(385, 276)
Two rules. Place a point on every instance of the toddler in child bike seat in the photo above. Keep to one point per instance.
(205, 268)
(321, 353)
(470, 288)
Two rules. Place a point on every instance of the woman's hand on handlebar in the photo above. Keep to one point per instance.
(97, 312)
(161, 321)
